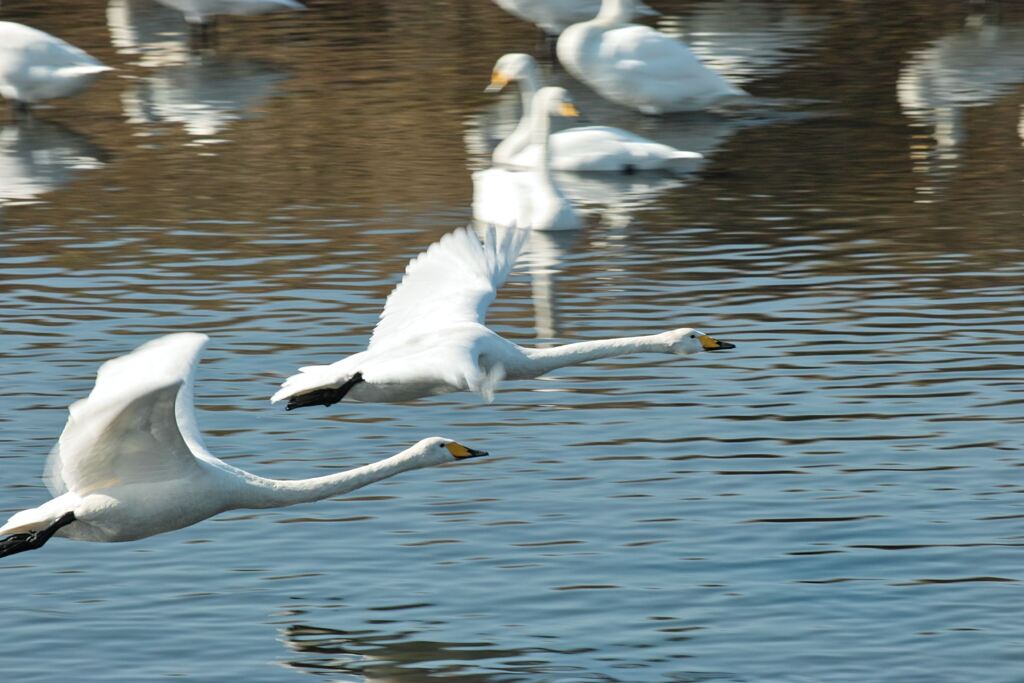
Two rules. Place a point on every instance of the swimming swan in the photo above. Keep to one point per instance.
(131, 463)
(585, 148)
(552, 16)
(431, 337)
(638, 67)
(35, 66)
(530, 198)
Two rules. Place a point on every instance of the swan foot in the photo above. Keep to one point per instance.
(324, 397)
(17, 543)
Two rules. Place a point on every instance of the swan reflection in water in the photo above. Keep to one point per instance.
(38, 156)
(746, 39)
(972, 67)
(381, 657)
(205, 94)
(150, 33)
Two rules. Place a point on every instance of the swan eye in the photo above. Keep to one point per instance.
(693, 336)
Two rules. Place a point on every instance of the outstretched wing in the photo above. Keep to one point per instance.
(453, 281)
(136, 425)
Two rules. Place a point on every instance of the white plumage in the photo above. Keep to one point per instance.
(552, 16)
(431, 338)
(131, 463)
(638, 67)
(35, 66)
(581, 149)
(531, 198)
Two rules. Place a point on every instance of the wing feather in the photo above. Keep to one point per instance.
(453, 281)
(137, 423)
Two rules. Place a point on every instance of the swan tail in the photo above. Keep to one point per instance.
(82, 70)
(305, 389)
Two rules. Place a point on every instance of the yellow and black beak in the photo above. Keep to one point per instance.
(711, 344)
(462, 452)
(568, 109)
(498, 82)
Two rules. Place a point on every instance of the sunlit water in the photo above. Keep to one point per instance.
(837, 499)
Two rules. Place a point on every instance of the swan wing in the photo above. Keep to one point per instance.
(453, 281)
(643, 51)
(134, 426)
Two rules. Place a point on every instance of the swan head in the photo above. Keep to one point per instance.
(687, 341)
(437, 450)
(515, 67)
(555, 101)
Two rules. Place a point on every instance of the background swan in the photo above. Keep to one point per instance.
(553, 16)
(431, 337)
(35, 66)
(529, 199)
(585, 148)
(131, 463)
(638, 67)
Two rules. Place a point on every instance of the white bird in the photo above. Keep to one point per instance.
(552, 16)
(431, 337)
(131, 463)
(532, 198)
(35, 66)
(204, 11)
(585, 148)
(638, 67)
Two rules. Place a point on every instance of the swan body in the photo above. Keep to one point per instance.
(432, 337)
(203, 11)
(35, 66)
(531, 198)
(131, 463)
(553, 16)
(637, 66)
(585, 148)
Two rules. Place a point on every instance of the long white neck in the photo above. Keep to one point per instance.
(519, 139)
(260, 492)
(615, 13)
(540, 132)
(540, 361)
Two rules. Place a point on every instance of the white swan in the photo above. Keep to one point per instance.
(204, 11)
(585, 148)
(529, 199)
(131, 463)
(552, 16)
(431, 337)
(638, 67)
(35, 66)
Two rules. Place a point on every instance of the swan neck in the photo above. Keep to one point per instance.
(545, 360)
(540, 132)
(615, 13)
(267, 493)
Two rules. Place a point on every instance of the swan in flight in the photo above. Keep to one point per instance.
(131, 463)
(637, 66)
(585, 148)
(431, 337)
(531, 198)
(552, 16)
(35, 66)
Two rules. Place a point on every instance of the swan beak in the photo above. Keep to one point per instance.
(568, 109)
(463, 452)
(498, 82)
(711, 344)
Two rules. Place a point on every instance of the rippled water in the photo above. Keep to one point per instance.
(838, 499)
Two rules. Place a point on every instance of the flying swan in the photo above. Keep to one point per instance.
(431, 337)
(131, 463)
(637, 66)
(35, 66)
(584, 148)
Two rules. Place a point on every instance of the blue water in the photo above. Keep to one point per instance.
(837, 499)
